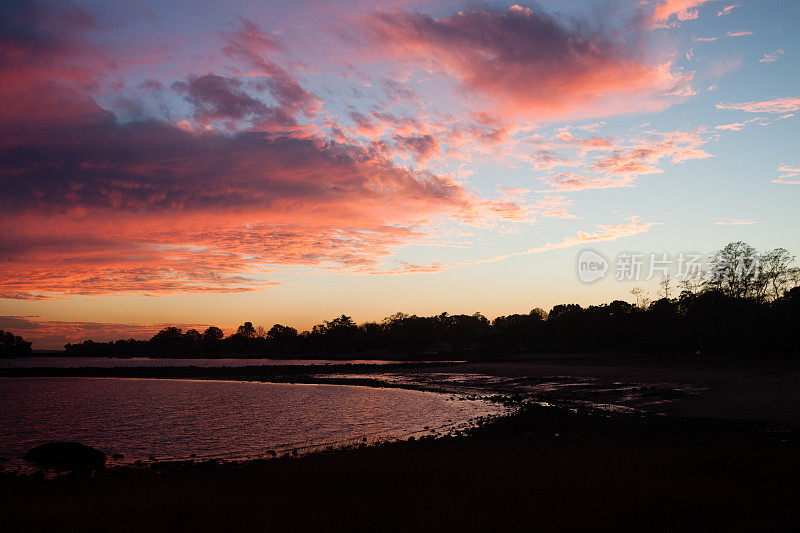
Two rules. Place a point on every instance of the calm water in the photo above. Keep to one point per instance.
(110, 362)
(171, 419)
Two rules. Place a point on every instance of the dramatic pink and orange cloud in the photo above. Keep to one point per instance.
(527, 62)
(90, 196)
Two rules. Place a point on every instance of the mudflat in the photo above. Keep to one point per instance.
(759, 389)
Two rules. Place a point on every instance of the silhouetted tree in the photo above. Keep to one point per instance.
(213, 334)
(776, 269)
(734, 270)
(13, 345)
(211, 340)
(282, 334)
(167, 341)
(247, 330)
(666, 286)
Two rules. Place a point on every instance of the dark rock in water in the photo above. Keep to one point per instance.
(118, 456)
(65, 454)
(4, 459)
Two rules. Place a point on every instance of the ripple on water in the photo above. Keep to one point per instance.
(173, 419)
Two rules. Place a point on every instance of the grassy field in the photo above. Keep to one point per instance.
(541, 470)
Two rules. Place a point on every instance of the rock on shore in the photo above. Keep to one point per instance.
(65, 454)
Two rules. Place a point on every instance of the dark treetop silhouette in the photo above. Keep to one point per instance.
(13, 345)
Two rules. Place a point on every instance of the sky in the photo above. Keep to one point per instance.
(199, 163)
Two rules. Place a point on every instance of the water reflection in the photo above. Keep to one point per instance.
(172, 419)
(110, 362)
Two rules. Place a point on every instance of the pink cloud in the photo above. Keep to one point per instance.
(729, 34)
(734, 126)
(48, 64)
(734, 222)
(404, 267)
(778, 105)
(772, 56)
(644, 155)
(620, 162)
(545, 159)
(527, 62)
(219, 99)
(738, 126)
(592, 143)
(727, 9)
(789, 173)
(421, 147)
(605, 233)
(514, 193)
(578, 182)
(554, 206)
(254, 47)
(667, 13)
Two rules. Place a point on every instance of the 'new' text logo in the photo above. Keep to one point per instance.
(591, 266)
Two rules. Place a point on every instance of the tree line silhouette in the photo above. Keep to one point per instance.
(736, 307)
